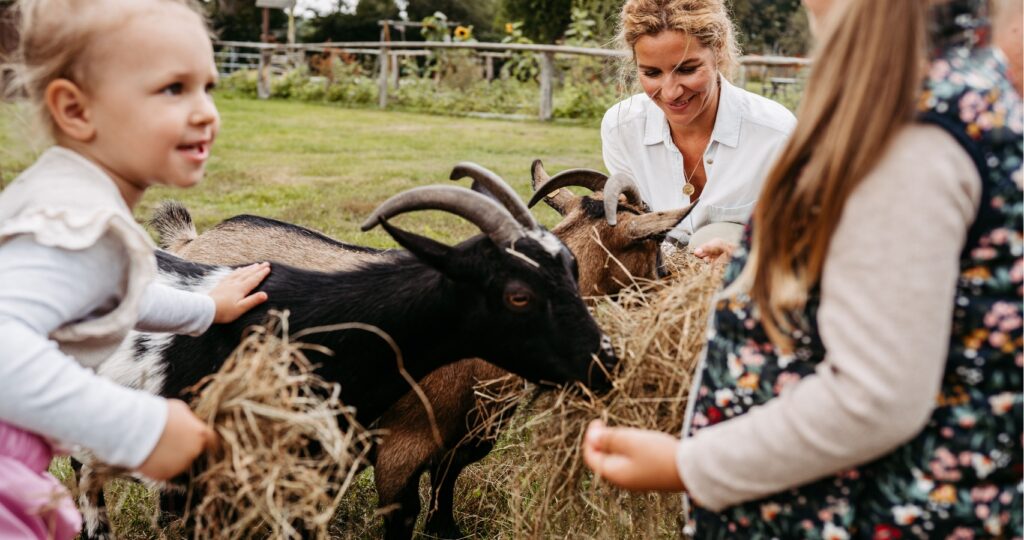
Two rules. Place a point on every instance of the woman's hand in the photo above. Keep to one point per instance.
(231, 296)
(184, 437)
(713, 249)
(635, 459)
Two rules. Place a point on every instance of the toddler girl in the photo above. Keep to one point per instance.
(123, 88)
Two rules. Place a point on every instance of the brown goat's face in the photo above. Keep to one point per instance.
(613, 257)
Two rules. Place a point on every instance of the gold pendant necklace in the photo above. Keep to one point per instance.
(688, 188)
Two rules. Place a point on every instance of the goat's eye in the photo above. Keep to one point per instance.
(518, 299)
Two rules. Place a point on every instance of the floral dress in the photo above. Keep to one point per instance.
(961, 477)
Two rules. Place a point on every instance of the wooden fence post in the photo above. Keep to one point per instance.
(396, 68)
(382, 80)
(263, 80)
(547, 72)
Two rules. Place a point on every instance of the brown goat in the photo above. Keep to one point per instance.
(410, 447)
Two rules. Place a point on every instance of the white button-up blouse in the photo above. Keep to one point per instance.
(749, 132)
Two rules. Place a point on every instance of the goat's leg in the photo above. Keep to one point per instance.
(91, 503)
(400, 520)
(400, 460)
(440, 517)
(173, 503)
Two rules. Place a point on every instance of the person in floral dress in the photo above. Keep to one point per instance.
(863, 374)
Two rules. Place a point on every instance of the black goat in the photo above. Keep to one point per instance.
(508, 295)
(409, 447)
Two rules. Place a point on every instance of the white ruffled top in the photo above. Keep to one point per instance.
(66, 201)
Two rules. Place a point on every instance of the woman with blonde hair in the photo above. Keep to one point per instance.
(863, 377)
(690, 134)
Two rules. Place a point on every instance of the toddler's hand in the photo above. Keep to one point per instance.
(635, 459)
(231, 295)
(184, 437)
(713, 249)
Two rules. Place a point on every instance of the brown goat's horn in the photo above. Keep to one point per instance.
(499, 188)
(656, 224)
(489, 216)
(588, 178)
(559, 200)
(620, 184)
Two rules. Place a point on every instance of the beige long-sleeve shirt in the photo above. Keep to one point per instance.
(886, 308)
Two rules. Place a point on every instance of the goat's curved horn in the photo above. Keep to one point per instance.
(499, 188)
(620, 184)
(489, 216)
(588, 178)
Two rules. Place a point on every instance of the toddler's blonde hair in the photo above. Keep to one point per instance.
(55, 39)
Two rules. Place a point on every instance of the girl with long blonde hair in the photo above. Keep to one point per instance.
(863, 377)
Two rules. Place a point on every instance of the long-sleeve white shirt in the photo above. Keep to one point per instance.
(47, 392)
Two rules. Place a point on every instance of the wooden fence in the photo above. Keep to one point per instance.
(388, 53)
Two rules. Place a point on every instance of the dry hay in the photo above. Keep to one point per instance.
(658, 331)
(284, 461)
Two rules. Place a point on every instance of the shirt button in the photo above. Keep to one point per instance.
(710, 161)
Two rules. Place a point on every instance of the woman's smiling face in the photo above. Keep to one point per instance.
(679, 74)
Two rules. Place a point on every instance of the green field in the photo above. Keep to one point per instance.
(327, 167)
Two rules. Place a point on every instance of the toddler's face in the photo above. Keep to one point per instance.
(148, 87)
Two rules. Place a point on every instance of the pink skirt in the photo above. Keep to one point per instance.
(33, 504)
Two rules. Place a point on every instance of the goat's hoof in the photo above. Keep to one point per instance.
(445, 532)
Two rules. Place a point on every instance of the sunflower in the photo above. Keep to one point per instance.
(509, 28)
(462, 33)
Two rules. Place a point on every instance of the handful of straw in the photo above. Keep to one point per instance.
(289, 450)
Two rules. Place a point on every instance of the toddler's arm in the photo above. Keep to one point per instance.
(47, 392)
(167, 309)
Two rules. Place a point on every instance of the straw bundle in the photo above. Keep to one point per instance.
(284, 461)
(658, 331)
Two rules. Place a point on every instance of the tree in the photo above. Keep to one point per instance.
(544, 21)
(605, 13)
(241, 20)
(358, 26)
(771, 26)
(477, 13)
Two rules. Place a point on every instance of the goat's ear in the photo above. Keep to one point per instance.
(538, 176)
(426, 249)
(479, 188)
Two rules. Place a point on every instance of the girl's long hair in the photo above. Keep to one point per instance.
(862, 89)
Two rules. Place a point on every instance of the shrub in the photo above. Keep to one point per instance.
(241, 83)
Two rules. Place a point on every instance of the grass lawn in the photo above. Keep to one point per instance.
(327, 167)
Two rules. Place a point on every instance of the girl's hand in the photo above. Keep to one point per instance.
(184, 437)
(231, 295)
(635, 459)
(713, 249)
